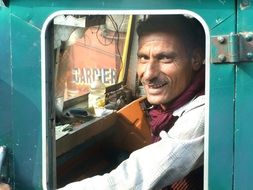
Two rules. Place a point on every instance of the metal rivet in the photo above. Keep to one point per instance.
(244, 3)
(222, 57)
(249, 55)
(221, 39)
(248, 37)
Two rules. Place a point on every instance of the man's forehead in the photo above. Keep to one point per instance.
(160, 38)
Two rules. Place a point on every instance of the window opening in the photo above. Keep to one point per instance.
(87, 46)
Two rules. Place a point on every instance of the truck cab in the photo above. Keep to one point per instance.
(51, 52)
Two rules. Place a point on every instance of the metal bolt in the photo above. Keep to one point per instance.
(249, 55)
(248, 37)
(244, 3)
(221, 39)
(222, 57)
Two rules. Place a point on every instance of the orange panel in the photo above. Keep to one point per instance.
(132, 120)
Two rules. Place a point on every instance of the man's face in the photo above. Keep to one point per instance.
(164, 67)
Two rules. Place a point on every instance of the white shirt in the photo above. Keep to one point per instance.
(160, 164)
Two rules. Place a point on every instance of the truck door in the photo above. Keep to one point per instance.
(231, 91)
(243, 154)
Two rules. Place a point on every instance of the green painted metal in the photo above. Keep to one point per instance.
(5, 78)
(221, 111)
(243, 114)
(26, 79)
(21, 82)
(221, 127)
(6, 128)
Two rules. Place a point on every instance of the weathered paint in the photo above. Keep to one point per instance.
(244, 103)
(221, 108)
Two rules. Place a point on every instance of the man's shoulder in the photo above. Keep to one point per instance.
(192, 104)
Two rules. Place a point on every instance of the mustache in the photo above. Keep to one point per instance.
(155, 81)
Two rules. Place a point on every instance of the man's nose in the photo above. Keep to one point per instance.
(152, 70)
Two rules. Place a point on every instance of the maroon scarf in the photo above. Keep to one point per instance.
(163, 119)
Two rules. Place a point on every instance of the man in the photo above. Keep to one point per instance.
(170, 67)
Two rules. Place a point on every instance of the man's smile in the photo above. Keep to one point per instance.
(157, 85)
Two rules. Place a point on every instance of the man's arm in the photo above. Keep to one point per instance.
(159, 164)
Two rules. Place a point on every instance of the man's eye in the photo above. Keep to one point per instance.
(166, 59)
(143, 59)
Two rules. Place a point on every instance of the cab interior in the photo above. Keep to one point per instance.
(81, 47)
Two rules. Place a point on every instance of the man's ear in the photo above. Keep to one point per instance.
(197, 59)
